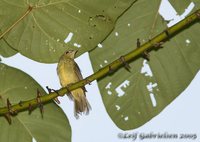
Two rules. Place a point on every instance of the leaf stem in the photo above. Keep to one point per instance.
(148, 46)
(14, 24)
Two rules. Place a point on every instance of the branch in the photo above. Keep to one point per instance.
(153, 43)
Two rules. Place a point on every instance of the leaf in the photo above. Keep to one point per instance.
(180, 6)
(133, 98)
(47, 24)
(54, 126)
(6, 50)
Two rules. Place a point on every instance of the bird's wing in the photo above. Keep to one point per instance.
(78, 73)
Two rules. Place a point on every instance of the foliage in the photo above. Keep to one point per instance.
(43, 29)
(16, 85)
(137, 96)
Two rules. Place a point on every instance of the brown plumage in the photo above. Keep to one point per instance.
(68, 73)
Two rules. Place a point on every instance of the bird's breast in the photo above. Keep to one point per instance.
(66, 73)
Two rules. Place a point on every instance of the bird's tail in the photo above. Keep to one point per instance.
(81, 105)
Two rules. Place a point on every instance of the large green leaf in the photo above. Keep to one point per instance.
(54, 126)
(42, 34)
(133, 98)
(5, 49)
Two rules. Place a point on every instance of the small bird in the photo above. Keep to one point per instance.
(68, 73)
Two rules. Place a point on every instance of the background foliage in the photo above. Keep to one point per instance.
(107, 30)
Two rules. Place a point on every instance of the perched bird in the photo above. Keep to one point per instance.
(68, 73)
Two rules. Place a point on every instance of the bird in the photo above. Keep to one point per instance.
(69, 72)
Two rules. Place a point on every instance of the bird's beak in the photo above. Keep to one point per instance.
(75, 51)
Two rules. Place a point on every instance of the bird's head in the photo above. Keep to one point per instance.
(70, 54)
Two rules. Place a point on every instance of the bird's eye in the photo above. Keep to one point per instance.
(66, 52)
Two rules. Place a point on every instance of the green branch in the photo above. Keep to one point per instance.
(122, 61)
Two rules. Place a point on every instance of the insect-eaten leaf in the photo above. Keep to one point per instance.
(133, 98)
(43, 30)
